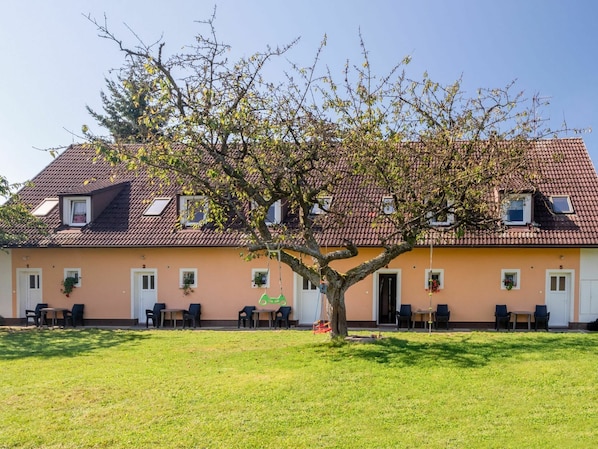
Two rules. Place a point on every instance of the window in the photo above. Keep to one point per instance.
(188, 277)
(45, 207)
(434, 279)
(157, 206)
(274, 215)
(388, 205)
(509, 279)
(445, 217)
(77, 211)
(260, 277)
(561, 204)
(322, 206)
(517, 209)
(194, 210)
(73, 273)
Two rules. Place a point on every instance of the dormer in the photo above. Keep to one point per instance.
(82, 205)
(517, 209)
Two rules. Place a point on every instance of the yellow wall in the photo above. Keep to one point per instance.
(472, 279)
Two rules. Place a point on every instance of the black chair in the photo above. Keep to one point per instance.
(501, 317)
(245, 316)
(193, 315)
(404, 314)
(74, 316)
(282, 316)
(541, 315)
(443, 315)
(35, 314)
(154, 314)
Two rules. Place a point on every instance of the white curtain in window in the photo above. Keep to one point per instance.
(79, 212)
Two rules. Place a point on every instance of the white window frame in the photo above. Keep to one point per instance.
(526, 199)
(277, 212)
(439, 272)
(515, 273)
(450, 217)
(567, 198)
(68, 210)
(183, 272)
(157, 206)
(45, 207)
(184, 201)
(255, 271)
(388, 205)
(322, 206)
(73, 273)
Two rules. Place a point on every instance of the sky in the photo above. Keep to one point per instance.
(54, 63)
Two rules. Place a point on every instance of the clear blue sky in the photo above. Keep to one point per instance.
(53, 62)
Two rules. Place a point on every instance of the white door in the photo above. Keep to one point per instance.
(29, 290)
(145, 293)
(558, 297)
(310, 302)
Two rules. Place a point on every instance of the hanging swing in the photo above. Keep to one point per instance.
(321, 326)
(280, 299)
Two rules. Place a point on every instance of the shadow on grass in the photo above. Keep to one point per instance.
(23, 343)
(466, 351)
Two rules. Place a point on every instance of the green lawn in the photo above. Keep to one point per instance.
(94, 388)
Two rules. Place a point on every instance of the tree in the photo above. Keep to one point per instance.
(246, 142)
(125, 105)
(16, 222)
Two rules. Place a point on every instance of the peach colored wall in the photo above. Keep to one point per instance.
(472, 279)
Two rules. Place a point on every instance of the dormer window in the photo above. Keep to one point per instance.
(561, 204)
(322, 206)
(274, 215)
(445, 217)
(517, 209)
(194, 210)
(77, 210)
(388, 205)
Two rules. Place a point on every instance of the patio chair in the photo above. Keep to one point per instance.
(193, 315)
(501, 317)
(154, 314)
(245, 316)
(443, 315)
(404, 314)
(35, 314)
(541, 315)
(75, 315)
(282, 316)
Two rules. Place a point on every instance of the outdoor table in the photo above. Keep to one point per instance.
(423, 316)
(55, 310)
(256, 315)
(524, 313)
(172, 314)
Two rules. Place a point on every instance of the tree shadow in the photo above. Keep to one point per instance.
(33, 342)
(466, 351)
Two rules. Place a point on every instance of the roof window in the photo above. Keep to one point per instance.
(157, 206)
(561, 204)
(45, 207)
(517, 209)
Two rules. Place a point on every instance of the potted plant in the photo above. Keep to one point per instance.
(434, 285)
(508, 283)
(187, 283)
(259, 278)
(68, 285)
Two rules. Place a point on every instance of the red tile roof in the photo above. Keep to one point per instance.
(566, 167)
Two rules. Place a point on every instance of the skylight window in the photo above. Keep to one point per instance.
(322, 206)
(45, 207)
(561, 204)
(157, 206)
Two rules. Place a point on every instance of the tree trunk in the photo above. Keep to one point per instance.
(337, 313)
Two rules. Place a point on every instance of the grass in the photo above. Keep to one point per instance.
(97, 388)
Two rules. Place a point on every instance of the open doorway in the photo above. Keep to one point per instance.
(387, 297)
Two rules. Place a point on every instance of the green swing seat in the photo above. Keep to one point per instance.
(266, 299)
